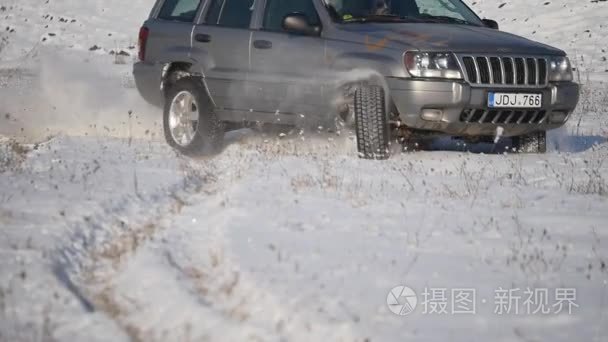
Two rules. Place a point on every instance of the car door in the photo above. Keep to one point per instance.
(287, 69)
(220, 44)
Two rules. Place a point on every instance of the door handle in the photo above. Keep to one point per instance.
(203, 38)
(262, 44)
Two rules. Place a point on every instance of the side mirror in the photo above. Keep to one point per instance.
(298, 23)
(490, 23)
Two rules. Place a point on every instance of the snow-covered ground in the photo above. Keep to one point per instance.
(106, 234)
(577, 26)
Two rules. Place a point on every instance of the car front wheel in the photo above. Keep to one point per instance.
(371, 123)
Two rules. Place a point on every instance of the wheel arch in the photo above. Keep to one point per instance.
(174, 71)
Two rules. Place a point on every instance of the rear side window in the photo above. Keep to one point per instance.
(179, 10)
(230, 13)
(276, 10)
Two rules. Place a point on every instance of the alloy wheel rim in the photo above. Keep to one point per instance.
(183, 118)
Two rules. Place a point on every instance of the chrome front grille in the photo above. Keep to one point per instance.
(506, 117)
(505, 71)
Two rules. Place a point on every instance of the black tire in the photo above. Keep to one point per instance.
(371, 123)
(209, 131)
(531, 143)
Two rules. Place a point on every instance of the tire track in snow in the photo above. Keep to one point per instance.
(120, 227)
(170, 275)
(202, 258)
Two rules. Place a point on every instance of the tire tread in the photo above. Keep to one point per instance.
(371, 123)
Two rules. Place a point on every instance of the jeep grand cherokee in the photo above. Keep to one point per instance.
(407, 67)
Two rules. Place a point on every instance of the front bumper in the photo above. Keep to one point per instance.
(463, 109)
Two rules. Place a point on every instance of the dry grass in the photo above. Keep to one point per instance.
(12, 155)
(593, 181)
(586, 176)
(533, 251)
(586, 173)
(593, 106)
(3, 41)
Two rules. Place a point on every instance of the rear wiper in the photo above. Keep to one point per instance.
(382, 18)
(445, 19)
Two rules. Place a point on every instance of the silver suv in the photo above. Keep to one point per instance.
(391, 68)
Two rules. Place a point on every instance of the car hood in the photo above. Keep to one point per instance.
(439, 37)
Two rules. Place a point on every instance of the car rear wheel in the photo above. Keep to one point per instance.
(371, 123)
(531, 143)
(190, 123)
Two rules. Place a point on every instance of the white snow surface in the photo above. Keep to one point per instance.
(108, 235)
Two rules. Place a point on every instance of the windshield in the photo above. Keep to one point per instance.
(441, 11)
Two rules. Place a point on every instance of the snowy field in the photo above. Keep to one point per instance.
(108, 235)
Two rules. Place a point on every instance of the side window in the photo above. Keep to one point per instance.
(179, 10)
(276, 10)
(230, 13)
(439, 8)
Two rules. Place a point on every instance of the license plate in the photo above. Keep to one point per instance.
(512, 100)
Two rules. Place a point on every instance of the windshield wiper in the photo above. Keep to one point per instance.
(382, 18)
(445, 19)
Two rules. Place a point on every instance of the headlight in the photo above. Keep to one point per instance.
(560, 69)
(432, 65)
